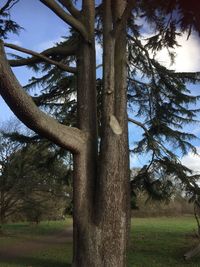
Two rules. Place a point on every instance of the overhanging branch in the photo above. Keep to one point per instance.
(25, 109)
(155, 144)
(69, 49)
(42, 57)
(72, 21)
(70, 7)
(138, 123)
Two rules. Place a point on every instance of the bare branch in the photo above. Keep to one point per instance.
(99, 66)
(73, 22)
(68, 49)
(7, 5)
(70, 7)
(44, 58)
(138, 123)
(25, 109)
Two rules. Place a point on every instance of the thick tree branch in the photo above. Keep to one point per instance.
(70, 7)
(25, 109)
(73, 22)
(68, 49)
(44, 58)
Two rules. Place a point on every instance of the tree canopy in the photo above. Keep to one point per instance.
(31, 188)
(89, 115)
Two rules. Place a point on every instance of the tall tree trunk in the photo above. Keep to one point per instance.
(101, 195)
(85, 163)
(114, 165)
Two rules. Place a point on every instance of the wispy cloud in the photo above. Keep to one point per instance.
(192, 161)
(187, 55)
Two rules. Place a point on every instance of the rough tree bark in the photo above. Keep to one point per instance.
(101, 163)
(114, 164)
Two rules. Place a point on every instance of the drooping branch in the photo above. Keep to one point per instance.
(70, 7)
(72, 21)
(42, 57)
(138, 123)
(155, 144)
(25, 109)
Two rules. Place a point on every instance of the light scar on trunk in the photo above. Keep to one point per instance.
(115, 126)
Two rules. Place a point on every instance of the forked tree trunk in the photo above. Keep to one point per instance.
(101, 189)
(114, 164)
(101, 175)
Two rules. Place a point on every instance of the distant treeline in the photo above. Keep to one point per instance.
(177, 206)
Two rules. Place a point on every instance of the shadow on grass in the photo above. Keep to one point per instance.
(33, 262)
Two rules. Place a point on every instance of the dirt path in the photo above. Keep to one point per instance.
(25, 247)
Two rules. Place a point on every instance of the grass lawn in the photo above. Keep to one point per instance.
(162, 242)
(155, 242)
(44, 245)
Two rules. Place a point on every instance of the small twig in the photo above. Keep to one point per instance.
(99, 66)
(139, 124)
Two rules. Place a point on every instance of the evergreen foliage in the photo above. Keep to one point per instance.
(7, 25)
(157, 96)
(32, 175)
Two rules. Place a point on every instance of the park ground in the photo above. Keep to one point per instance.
(155, 242)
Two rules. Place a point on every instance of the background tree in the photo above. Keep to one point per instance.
(8, 204)
(33, 182)
(101, 180)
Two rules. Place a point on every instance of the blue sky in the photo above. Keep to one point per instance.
(42, 28)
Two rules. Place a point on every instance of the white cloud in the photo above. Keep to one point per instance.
(192, 161)
(187, 55)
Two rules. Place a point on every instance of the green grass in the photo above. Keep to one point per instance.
(162, 242)
(54, 255)
(29, 230)
(155, 242)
